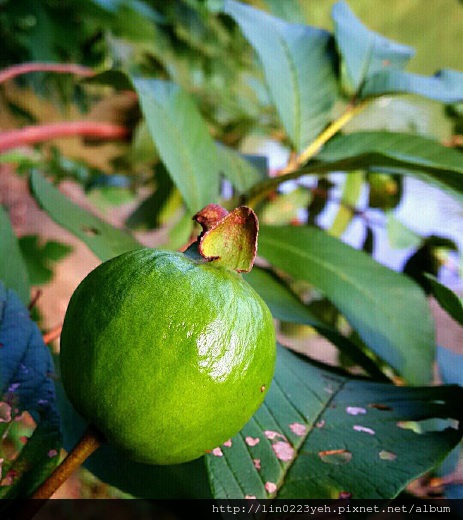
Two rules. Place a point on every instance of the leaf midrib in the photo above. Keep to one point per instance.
(304, 438)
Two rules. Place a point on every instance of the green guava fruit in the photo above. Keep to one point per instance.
(167, 356)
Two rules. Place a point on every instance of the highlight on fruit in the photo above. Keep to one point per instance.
(169, 354)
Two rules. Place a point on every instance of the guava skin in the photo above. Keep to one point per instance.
(166, 356)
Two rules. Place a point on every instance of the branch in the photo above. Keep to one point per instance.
(64, 68)
(314, 147)
(293, 169)
(38, 133)
(90, 441)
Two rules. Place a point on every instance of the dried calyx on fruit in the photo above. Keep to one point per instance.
(169, 354)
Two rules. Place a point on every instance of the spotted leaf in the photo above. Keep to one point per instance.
(322, 434)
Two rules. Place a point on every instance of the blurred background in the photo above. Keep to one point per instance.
(177, 40)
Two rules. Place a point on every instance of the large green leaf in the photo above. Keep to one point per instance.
(401, 151)
(182, 140)
(13, 271)
(320, 433)
(445, 86)
(39, 257)
(389, 311)
(103, 239)
(364, 52)
(286, 306)
(299, 68)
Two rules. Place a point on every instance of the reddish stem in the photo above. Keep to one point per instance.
(38, 133)
(52, 334)
(25, 68)
(35, 299)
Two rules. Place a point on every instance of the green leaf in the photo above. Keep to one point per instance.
(182, 140)
(148, 214)
(447, 299)
(364, 52)
(412, 153)
(13, 271)
(388, 310)
(299, 67)
(289, 10)
(39, 257)
(284, 209)
(26, 384)
(399, 235)
(319, 433)
(20, 158)
(445, 86)
(104, 240)
(239, 170)
(286, 306)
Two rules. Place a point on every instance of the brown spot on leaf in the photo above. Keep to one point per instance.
(270, 487)
(284, 451)
(270, 434)
(383, 407)
(335, 457)
(355, 410)
(5, 412)
(251, 441)
(217, 452)
(298, 429)
(387, 455)
(209, 216)
(364, 429)
(344, 495)
(90, 231)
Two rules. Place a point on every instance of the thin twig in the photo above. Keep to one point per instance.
(29, 135)
(63, 68)
(90, 441)
(52, 334)
(35, 299)
(314, 147)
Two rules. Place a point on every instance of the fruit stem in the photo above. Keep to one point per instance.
(90, 441)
